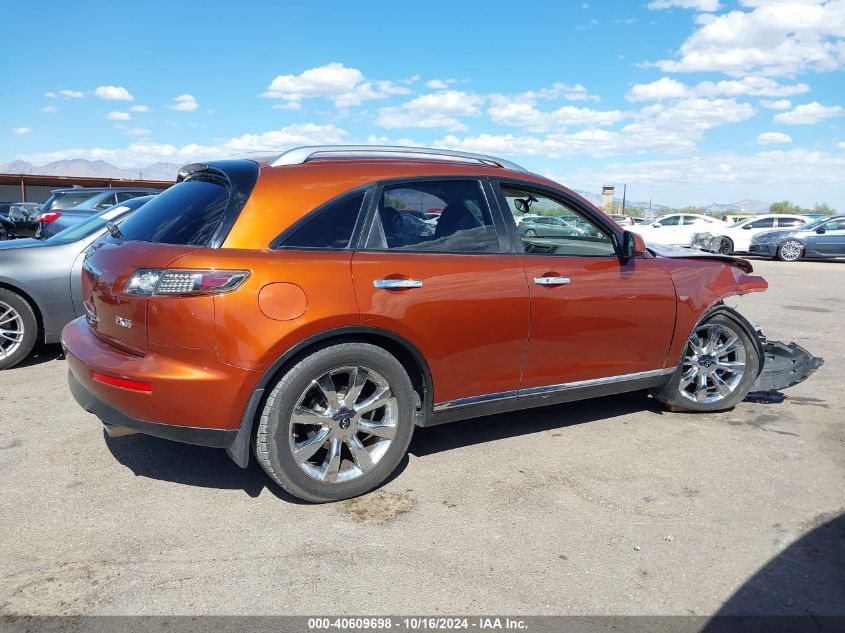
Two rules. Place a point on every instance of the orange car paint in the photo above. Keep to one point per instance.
(478, 321)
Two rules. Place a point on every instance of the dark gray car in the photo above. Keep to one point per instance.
(40, 282)
(820, 239)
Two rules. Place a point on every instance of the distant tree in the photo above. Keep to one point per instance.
(635, 212)
(823, 208)
(785, 206)
(695, 210)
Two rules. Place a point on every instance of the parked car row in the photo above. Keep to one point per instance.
(64, 208)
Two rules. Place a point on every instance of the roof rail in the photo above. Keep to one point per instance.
(299, 155)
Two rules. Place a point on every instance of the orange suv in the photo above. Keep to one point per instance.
(303, 306)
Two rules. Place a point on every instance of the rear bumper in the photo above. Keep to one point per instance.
(195, 398)
(118, 423)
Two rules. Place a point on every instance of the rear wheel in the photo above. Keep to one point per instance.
(726, 246)
(790, 251)
(337, 424)
(719, 365)
(530, 233)
(18, 328)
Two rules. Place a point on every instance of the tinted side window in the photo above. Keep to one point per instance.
(670, 221)
(565, 230)
(765, 223)
(789, 222)
(330, 227)
(188, 213)
(464, 226)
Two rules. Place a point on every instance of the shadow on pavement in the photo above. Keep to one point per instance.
(496, 427)
(805, 583)
(42, 353)
(164, 460)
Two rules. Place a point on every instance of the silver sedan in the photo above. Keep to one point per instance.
(40, 282)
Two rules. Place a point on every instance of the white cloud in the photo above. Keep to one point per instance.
(50, 94)
(288, 105)
(440, 84)
(776, 37)
(666, 88)
(526, 116)
(184, 103)
(808, 114)
(801, 175)
(698, 5)
(139, 131)
(345, 87)
(841, 144)
(769, 138)
(112, 93)
(50, 109)
(434, 110)
(118, 116)
(663, 88)
(140, 108)
(71, 94)
(21, 130)
(780, 104)
(141, 153)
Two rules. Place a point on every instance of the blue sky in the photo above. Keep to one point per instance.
(691, 101)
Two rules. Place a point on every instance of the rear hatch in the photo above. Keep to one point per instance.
(196, 213)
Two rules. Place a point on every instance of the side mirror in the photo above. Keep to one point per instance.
(746, 227)
(633, 245)
(821, 230)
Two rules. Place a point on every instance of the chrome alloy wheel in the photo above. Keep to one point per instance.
(11, 330)
(713, 365)
(343, 424)
(791, 250)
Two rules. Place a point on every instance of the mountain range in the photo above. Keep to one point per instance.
(167, 171)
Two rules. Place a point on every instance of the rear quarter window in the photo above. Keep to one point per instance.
(187, 214)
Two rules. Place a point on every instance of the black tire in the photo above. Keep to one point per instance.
(272, 442)
(671, 394)
(530, 233)
(790, 251)
(30, 327)
(726, 246)
(4, 235)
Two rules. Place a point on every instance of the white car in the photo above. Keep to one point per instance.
(677, 229)
(736, 238)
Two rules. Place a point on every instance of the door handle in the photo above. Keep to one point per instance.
(552, 281)
(393, 284)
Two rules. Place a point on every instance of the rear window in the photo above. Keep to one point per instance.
(186, 214)
(68, 199)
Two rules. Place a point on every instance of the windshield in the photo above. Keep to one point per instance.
(812, 225)
(92, 225)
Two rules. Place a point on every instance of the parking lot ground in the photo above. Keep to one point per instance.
(608, 506)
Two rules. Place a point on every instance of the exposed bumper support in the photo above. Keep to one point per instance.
(785, 366)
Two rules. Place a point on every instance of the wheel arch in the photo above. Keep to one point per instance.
(405, 352)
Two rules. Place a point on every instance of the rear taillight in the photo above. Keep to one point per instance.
(156, 281)
(49, 217)
(123, 383)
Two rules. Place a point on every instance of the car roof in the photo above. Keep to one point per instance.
(102, 189)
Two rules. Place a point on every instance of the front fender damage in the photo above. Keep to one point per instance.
(785, 366)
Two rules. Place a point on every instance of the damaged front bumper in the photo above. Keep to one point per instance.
(785, 366)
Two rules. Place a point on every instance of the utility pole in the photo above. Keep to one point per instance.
(624, 193)
(649, 206)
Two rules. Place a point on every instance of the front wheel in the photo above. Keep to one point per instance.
(790, 251)
(530, 233)
(719, 365)
(726, 246)
(338, 423)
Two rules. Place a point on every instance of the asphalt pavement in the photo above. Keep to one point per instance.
(609, 506)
